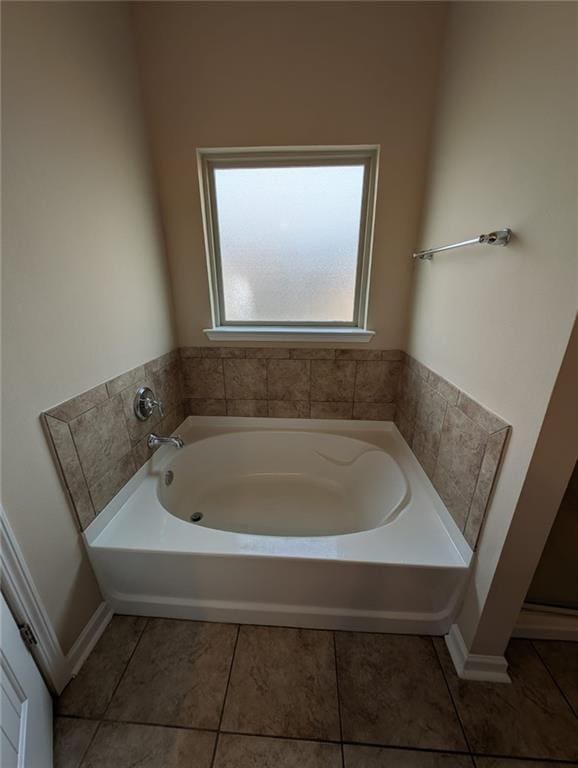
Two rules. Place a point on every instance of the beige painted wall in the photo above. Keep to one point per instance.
(85, 294)
(497, 321)
(263, 74)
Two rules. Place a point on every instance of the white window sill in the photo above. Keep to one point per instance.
(288, 333)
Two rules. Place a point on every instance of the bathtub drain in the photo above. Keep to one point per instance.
(196, 517)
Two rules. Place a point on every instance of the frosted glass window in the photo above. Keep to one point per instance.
(289, 240)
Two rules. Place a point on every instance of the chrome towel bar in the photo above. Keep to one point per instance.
(499, 237)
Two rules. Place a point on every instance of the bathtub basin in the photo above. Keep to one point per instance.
(284, 483)
(329, 524)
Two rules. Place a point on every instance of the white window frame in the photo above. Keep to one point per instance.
(258, 157)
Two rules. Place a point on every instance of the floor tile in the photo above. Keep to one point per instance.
(71, 740)
(177, 676)
(257, 752)
(89, 694)
(120, 745)
(381, 757)
(561, 658)
(507, 762)
(393, 693)
(529, 718)
(283, 683)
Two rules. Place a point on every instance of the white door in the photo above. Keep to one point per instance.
(25, 704)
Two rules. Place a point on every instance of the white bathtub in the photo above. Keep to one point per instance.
(329, 524)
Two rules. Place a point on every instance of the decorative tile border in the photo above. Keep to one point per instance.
(290, 383)
(458, 442)
(99, 444)
(97, 441)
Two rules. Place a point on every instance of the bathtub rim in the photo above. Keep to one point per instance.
(247, 424)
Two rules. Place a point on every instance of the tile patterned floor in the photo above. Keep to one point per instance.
(160, 693)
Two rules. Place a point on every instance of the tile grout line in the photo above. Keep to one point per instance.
(89, 745)
(449, 690)
(123, 673)
(374, 745)
(338, 699)
(539, 655)
(218, 733)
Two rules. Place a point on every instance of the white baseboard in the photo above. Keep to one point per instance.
(89, 637)
(280, 615)
(546, 625)
(475, 666)
(26, 604)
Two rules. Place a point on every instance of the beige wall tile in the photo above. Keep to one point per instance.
(71, 471)
(404, 425)
(101, 438)
(376, 382)
(288, 379)
(172, 420)
(245, 379)
(462, 447)
(229, 352)
(203, 378)
(392, 354)
(429, 420)
(167, 386)
(482, 416)
(79, 404)
(417, 367)
(247, 408)
(331, 410)
(447, 390)
(425, 446)
(203, 406)
(109, 484)
(271, 353)
(374, 411)
(289, 409)
(186, 352)
(162, 361)
(313, 354)
(142, 453)
(332, 380)
(486, 479)
(136, 428)
(358, 354)
(130, 378)
(457, 506)
(408, 393)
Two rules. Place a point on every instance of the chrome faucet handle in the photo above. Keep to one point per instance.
(145, 403)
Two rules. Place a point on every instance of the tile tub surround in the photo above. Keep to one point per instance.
(322, 383)
(98, 442)
(458, 442)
